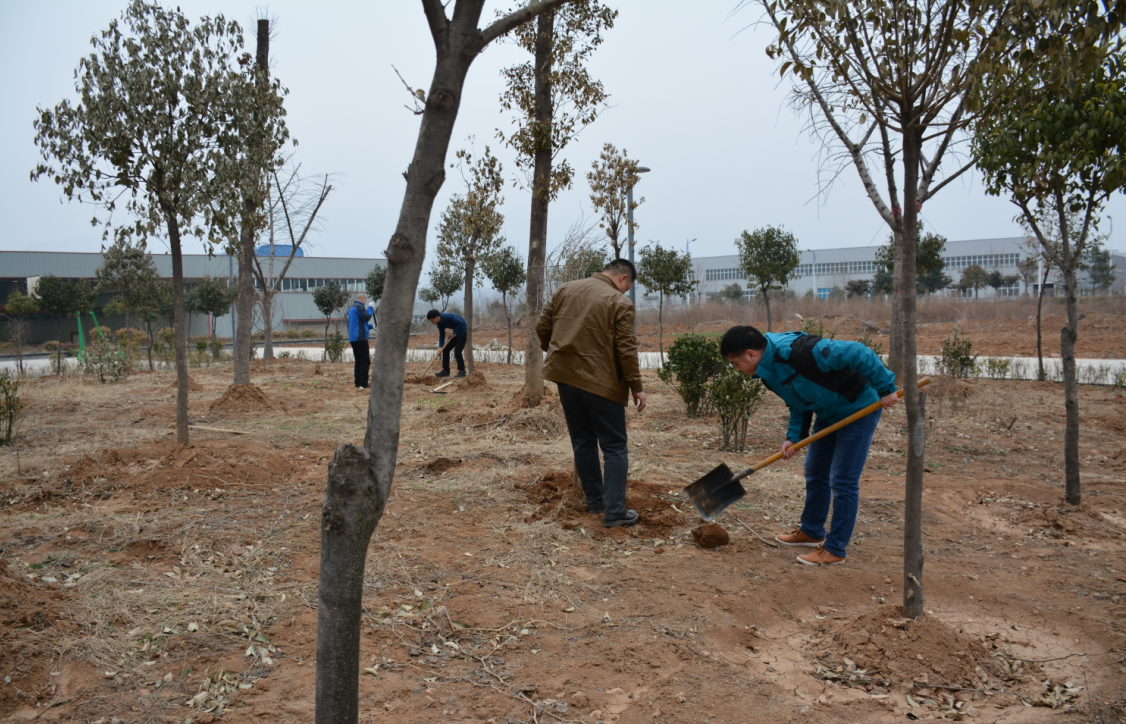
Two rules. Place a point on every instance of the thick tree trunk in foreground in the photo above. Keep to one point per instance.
(541, 196)
(906, 242)
(179, 330)
(469, 264)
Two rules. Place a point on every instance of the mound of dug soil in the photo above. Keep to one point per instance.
(441, 465)
(242, 398)
(23, 605)
(559, 497)
(519, 401)
(193, 386)
(473, 380)
(710, 535)
(428, 380)
(905, 650)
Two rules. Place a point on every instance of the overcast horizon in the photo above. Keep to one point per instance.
(693, 96)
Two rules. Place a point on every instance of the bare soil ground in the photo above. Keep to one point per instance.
(1100, 334)
(144, 583)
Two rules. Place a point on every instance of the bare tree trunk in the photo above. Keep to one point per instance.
(907, 241)
(469, 264)
(1069, 259)
(245, 305)
(895, 340)
(541, 194)
(180, 331)
(661, 326)
(268, 323)
(769, 319)
(508, 319)
(1040, 375)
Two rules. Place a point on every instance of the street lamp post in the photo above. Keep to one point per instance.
(629, 229)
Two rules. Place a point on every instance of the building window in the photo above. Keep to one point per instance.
(823, 292)
(805, 270)
(985, 261)
(715, 275)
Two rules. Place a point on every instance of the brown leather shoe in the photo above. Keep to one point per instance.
(797, 538)
(820, 557)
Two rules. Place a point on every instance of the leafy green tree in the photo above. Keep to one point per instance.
(669, 273)
(62, 298)
(975, 278)
(929, 266)
(469, 231)
(1100, 268)
(430, 296)
(360, 478)
(18, 306)
(611, 177)
(554, 98)
(858, 288)
(374, 283)
(506, 272)
(330, 299)
(445, 281)
(769, 259)
(215, 297)
(154, 304)
(1000, 281)
(693, 361)
(125, 269)
(163, 110)
(1058, 149)
(732, 294)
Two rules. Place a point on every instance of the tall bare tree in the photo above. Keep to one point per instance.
(159, 127)
(554, 97)
(294, 202)
(360, 478)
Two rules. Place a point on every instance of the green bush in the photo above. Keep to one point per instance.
(691, 361)
(867, 341)
(736, 397)
(812, 326)
(216, 348)
(9, 406)
(105, 359)
(997, 368)
(957, 358)
(51, 346)
(334, 347)
(286, 354)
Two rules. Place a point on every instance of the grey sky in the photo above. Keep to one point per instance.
(693, 96)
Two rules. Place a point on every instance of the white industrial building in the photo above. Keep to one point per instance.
(823, 270)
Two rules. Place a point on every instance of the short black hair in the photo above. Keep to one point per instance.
(433, 313)
(741, 338)
(622, 266)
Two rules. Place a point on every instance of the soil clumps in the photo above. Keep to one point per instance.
(888, 647)
(473, 380)
(441, 465)
(30, 606)
(416, 379)
(242, 398)
(193, 386)
(710, 535)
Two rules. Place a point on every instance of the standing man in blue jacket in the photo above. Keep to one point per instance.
(358, 315)
(459, 331)
(832, 378)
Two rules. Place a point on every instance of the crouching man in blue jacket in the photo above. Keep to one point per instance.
(358, 315)
(459, 333)
(832, 378)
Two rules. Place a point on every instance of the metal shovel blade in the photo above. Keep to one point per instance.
(711, 494)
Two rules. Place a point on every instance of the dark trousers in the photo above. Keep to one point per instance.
(456, 346)
(594, 422)
(832, 476)
(363, 363)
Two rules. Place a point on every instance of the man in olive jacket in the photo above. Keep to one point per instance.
(587, 331)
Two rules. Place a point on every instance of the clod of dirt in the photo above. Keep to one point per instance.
(428, 380)
(441, 465)
(242, 398)
(317, 369)
(193, 386)
(473, 379)
(519, 401)
(710, 535)
(558, 497)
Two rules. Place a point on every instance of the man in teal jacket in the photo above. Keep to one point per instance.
(832, 378)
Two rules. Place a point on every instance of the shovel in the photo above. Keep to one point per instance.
(714, 492)
(437, 357)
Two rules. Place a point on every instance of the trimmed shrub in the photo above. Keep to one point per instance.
(690, 363)
(957, 359)
(736, 397)
(334, 347)
(10, 406)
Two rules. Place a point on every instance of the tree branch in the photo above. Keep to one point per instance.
(436, 17)
(515, 18)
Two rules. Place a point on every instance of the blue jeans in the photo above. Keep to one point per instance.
(593, 422)
(832, 474)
